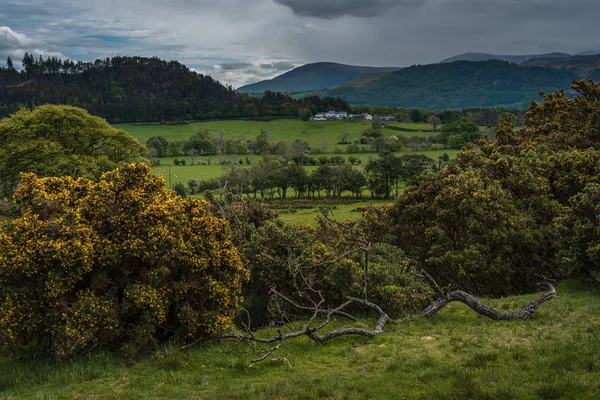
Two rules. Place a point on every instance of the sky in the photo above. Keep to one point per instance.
(245, 41)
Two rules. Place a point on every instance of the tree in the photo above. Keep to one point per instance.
(417, 115)
(160, 144)
(305, 113)
(122, 263)
(61, 140)
(435, 121)
(201, 142)
(261, 145)
(9, 64)
(343, 138)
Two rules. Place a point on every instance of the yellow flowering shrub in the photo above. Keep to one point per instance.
(120, 261)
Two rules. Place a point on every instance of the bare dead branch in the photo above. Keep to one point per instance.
(477, 306)
(268, 353)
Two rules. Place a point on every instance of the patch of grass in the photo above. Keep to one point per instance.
(552, 356)
(305, 212)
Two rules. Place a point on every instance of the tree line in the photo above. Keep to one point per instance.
(139, 89)
(273, 177)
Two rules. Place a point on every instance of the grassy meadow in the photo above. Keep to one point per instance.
(305, 211)
(456, 355)
(318, 134)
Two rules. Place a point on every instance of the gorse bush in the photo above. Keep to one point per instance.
(121, 262)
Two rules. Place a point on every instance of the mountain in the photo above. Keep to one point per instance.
(512, 59)
(588, 53)
(139, 89)
(584, 66)
(456, 85)
(312, 77)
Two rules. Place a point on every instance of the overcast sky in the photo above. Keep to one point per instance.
(244, 41)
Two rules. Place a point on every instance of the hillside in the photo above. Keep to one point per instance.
(518, 59)
(460, 84)
(138, 89)
(311, 77)
(584, 66)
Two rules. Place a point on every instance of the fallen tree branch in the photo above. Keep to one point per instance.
(311, 328)
(478, 306)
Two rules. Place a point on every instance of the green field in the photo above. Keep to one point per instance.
(456, 355)
(305, 212)
(318, 134)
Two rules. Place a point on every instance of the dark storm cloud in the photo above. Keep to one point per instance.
(329, 9)
(242, 41)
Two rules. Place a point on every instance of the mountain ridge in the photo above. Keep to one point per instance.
(313, 76)
(517, 59)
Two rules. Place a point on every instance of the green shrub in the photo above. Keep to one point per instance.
(580, 234)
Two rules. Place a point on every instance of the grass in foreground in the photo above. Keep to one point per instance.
(457, 355)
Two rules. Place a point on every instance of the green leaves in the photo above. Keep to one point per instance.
(61, 140)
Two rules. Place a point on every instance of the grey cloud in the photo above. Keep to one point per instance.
(330, 9)
(278, 66)
(14, 44)
(233, 66)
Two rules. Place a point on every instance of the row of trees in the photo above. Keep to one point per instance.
(138, 89)
(381, 177)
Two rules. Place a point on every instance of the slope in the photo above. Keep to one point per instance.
(460, 84)
(311, 77)
(584, 66)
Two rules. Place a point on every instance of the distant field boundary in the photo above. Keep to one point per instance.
(397, 128)
(194, 121)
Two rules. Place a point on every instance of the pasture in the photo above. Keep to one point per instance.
(319, 134)
(456, 355)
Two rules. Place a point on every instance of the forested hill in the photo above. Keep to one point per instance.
(520, 59)
(457, 85)
(310, 77)
(137, 89)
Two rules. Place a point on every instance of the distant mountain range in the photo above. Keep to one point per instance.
(315, 76)
(463, 81)
(512, 59)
